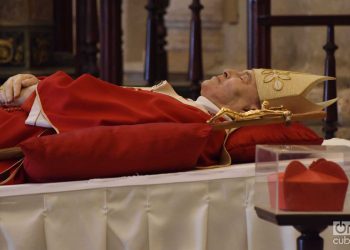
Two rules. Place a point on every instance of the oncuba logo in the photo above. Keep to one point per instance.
(341, 227)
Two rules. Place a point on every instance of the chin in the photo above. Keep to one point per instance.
(205, 82)
(204, 86)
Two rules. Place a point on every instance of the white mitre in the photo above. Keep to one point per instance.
(289, 89)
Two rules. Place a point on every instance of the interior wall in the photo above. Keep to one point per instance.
(177, 19)
(134, 29)
(224, 35)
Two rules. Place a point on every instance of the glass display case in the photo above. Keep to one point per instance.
(298, 178)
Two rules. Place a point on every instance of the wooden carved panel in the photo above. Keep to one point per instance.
(12, 48)
(25, 46)
(41, 11)
(41, 48)
(26, 12)
(13, 12)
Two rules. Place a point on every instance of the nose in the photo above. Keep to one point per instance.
(230, 72)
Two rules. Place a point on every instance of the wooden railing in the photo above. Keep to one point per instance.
(156, 65)
(260, 22)
(111, 61)
(110, 37)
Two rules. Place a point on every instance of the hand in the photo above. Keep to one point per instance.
(17, 88)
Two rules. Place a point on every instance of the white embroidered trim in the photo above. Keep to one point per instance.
(35, 117)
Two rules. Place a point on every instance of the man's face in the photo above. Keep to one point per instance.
(232, 89)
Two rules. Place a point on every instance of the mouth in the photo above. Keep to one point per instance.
(213, 80)
(216, 79)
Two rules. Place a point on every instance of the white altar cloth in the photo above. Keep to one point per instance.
(207, 209)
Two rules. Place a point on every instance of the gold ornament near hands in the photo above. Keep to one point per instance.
(254, 114)
(265, 115)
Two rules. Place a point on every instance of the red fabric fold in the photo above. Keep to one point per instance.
(242, 142)
(14, 131)
(87, 102)
(120, 150)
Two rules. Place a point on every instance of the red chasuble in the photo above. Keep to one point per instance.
(87, 101)
(13, 131)
(71, 105)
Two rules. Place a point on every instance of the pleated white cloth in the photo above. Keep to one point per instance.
(198, 210)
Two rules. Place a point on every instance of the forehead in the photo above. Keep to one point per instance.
(249, 72)
(238, 70)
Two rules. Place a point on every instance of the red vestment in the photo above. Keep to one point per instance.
(13, 131)
(86, 102)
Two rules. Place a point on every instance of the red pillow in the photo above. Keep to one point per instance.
(241, 143)
(120, 150)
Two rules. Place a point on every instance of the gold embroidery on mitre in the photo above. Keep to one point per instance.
(277, 77)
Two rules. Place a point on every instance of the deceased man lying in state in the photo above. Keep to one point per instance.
(87, 106)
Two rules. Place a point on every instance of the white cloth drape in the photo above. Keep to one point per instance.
(199, 210)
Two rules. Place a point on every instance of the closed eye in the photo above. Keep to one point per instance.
(245, 77)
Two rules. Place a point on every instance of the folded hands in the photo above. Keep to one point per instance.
(17, 88)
